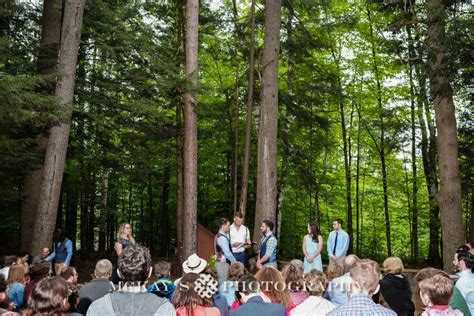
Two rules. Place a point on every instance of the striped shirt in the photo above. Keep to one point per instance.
(359, 305)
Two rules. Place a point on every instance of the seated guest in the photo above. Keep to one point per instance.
(134, 268)
(338, 288)
(49, 297)
(16, 286)
(70, 275)
(188, 301)
(218, 300)
(435, 293)
(193, 264)
(5, 308)
(295, 284)
(42, 256)
(8, 262)
(457, 302)
(365, 275)
(38, 272)
(254, 302)
(316, 282)
(163, 287)
(334, 271)
(227, 288)
(271, 281)
(464, 263)
(98, 287)
(395, 288)
(299, 264)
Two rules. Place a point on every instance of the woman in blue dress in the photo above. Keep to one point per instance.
(312, 246)
(124, 239)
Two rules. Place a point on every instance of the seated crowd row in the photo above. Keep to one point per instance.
(358, 289)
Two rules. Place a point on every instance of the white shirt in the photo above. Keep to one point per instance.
(240, 235)
(313, 305)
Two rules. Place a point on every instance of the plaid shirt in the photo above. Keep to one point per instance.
(271, 243)
(359, 305)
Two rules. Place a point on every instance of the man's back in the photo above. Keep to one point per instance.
(128, 303)
(255, 306)
(361, 304)
(92, 291)
(338, 289)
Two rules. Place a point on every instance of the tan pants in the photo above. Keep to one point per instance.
(339, 262)
(58, 267)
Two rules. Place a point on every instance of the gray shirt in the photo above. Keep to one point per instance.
(92, 291)
(129, 304)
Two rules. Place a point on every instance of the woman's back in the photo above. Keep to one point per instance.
(198, 311)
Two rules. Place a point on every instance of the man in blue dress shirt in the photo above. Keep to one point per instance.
(338, 243)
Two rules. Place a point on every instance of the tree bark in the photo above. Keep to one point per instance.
(449, 195)
(248, 129)
(103, 212)
(381, 146)
(268, 120)
(47, 62)
(59, 134)
(358, 244)
(190, 130)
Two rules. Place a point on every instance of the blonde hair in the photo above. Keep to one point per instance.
(121, 232)
(366, 275)
(316, 282)
(393, 265)
(439, 289)
(16, 274)
(270, 280)
(103, 269)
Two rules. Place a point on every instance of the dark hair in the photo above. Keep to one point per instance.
(10, 260)
(58, 235)
(340, 221)
(223, 221)
(134, 263)
(465, 255)
(40, 269)
(248, 285)
(3, 289)
(48, 297)
(268, 223)
(315, 232)
(239, 215)
(67, 273)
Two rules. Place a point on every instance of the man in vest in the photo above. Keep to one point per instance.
(240, 238)
(224, 256)
(267, 255)
(62, 251)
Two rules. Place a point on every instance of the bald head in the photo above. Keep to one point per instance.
(349, 262)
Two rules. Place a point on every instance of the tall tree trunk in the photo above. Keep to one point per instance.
(347, 171)
(151, 215)
(179, 135)
(381, 146)
(248, 129)
(91, 213)
(449, 195)
(103, 211)
(164, 238)
(268, 120)
(47, 62)
(190, 130)
(55, 155)
(414, 212)
(471, 225)
(358, 244)
(429, 154)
